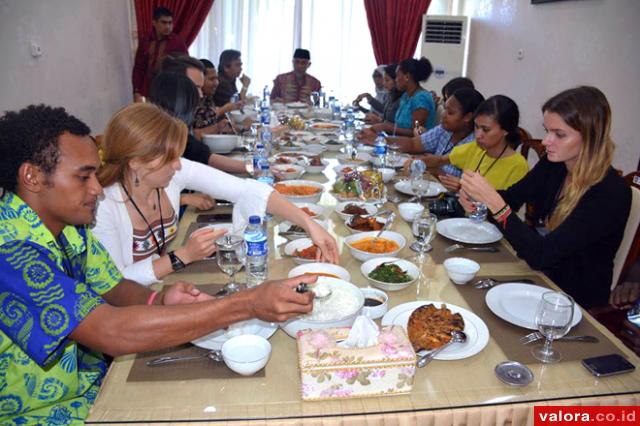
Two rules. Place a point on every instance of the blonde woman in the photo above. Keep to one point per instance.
(143, 176)
(581, 204)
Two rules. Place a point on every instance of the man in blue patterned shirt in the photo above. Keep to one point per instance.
(63, 302)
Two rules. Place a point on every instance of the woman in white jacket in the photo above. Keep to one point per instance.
(143, 176)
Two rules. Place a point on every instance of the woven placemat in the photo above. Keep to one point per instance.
(507, 335)
(440, 243)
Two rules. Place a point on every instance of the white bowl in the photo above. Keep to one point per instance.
(318, 210)
(325, 128)
(335, 147)
(327, 268)
(313, 198)
(361, 158)
(387, 174)
(317, 169)
(314, 147)
(380, 220)
(460, 269)
(409, 211)
(372, 264)
(295, 174)
(221, 144)
(375, 312)
(293, 326)
(299, 244)
(364, 255)
(238, 117)
(370, 208)
(246, 354)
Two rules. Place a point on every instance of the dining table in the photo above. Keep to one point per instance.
(456, 391)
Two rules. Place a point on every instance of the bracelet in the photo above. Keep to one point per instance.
(176, 263)
(152, 297)
(502, 210)
(503, 216)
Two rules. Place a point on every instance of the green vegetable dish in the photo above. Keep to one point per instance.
(390, 273)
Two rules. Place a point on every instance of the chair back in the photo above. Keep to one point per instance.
(629, 239)
(535, 144)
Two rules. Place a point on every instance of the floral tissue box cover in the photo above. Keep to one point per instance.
(328, 371)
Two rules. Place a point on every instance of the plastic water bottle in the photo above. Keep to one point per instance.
(380, 149)
(323, 99)
(257, 252)
(265, 175)
(266, 94)
(267, 135)
(258, 157)
(336, 110)
(350, 117)
(265, 114)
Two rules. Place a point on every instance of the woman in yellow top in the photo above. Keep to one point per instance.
(493, 153)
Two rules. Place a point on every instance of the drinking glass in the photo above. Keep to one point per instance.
(420, 186)
(315, 99)
(247, 158)
(229, 257)
(424, 229)
(479, 213)
(553, 319)
(394, 154)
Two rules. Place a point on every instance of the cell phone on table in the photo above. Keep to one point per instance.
(607, 365)
(214, 218)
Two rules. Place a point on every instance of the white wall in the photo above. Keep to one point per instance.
(568, 43)
(86, 56)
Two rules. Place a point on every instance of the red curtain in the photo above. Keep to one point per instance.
(188, 16)
(395, 27)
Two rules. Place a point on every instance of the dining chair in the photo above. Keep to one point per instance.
(630, 246)
(535, 144)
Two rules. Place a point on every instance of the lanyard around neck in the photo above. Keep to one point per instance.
(493, 163)
(159, 248)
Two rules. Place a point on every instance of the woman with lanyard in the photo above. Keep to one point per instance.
(143, 176)
(493, 153)
(580, 204)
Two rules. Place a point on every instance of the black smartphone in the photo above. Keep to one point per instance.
(608, 365)
(214, 218)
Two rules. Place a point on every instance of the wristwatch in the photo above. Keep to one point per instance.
(176, 263)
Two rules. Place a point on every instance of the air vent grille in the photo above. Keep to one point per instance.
(437, 31)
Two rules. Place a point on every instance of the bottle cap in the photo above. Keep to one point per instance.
(254, 220)
(264, 166)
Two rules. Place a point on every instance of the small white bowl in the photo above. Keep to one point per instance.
(298, 244)
(370, 208)
(316, 147)
(378, 311)
(239, 117)
(221, 144)
(319, 267)
(335, 147)
(246, 354)
(317, 169)
(314, 198)
(296, 172)
(372, 264)
(361, 159)
(409, 211)
(387, 174)
(364, 255)
(380, 220)
(319, 211)
(460, 269)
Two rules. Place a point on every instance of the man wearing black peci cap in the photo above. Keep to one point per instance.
(297, 85)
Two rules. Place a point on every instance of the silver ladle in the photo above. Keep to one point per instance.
(456, 337)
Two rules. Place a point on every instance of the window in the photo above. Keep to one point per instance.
(268, 31)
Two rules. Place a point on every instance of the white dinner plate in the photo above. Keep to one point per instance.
(475, 329)
(255, 326)
(466, 231)
(517, 302)
(435, 188)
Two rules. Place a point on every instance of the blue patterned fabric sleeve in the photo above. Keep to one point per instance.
(434, 139)
(39, 304)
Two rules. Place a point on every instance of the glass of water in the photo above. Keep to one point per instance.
(479, 213)
(424, 229)
(229, 257)
(553, 319)
(420, 186)
(394, 155)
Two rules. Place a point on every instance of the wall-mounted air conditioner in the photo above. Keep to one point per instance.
(445, 41)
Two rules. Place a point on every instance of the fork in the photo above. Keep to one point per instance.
(456, 247)
(536, 335)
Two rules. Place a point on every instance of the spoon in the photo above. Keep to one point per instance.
(215, 355)
(456, 337)
(318, 295)
(387, 223)
(490, 282)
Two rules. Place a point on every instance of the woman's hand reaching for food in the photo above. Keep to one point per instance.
(324, 241)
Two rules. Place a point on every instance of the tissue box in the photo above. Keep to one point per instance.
(328, 371)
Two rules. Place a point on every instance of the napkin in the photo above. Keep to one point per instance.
(363, 333)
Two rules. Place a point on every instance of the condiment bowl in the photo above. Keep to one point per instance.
(370, 208)
(299, 244)
(313, 198)
(375, 296)
(460, 269)
(288, 171)
(339, 288)
(316, 169)
(387, 174)
(318, 210)
(368, 266)
(246, 354)
(409, 211)
(321, 268)
(380, 220)
(365, 255)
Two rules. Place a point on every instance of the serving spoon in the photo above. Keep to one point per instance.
(304, 287)
(456, 337)
(214, 355)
